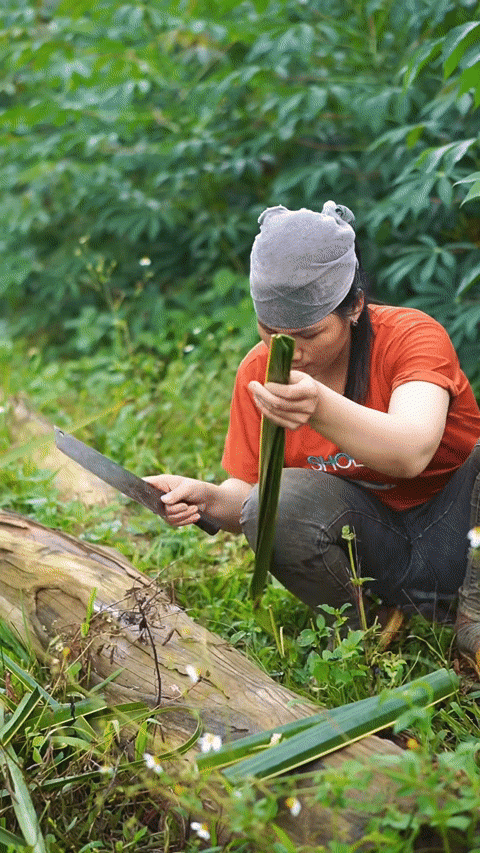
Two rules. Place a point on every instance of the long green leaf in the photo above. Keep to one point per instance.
(27, 680)
(243, 747)
(10, 840)
(17, 721)
(272, 450)
(21, 799)
(22, 803)
(46, 718)
(231, 752)
(343, 726)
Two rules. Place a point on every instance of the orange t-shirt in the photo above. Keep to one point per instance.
(408, 346)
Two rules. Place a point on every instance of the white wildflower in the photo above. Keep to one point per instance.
(144, 262)
(152, 763)
(192, 672)
(210, 743)
(474, 537)
(294, 806)
(276, 738)
(200, 829)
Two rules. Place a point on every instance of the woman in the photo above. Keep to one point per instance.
(381, 427)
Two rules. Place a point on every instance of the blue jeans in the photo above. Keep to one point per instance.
(417, 558)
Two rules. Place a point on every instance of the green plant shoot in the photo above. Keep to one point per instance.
(85, 626)
(349, 536)
(272, 450)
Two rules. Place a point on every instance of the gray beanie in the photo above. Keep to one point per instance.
(302, 264)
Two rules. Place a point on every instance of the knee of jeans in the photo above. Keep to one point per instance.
(249, 517)
(290, 512)
(476, 451)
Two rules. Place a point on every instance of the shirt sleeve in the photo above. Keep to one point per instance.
(241, 451)
(422, 352)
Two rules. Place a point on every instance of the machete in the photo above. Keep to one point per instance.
(121, 479)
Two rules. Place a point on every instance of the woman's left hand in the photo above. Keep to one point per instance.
(291, 405)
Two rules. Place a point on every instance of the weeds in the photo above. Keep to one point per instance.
(89, 793)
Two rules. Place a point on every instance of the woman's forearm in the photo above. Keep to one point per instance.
(224, 503)
(391, 443)
(399, 443)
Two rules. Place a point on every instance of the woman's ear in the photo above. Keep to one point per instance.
(355, 312)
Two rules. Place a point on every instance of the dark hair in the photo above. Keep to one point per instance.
(358, 376)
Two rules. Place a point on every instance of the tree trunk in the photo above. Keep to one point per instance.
(46, 584)
(48, 577)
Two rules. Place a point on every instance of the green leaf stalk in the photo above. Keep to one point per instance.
(272, 450)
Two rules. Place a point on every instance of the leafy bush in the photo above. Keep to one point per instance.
(87, 793)
(141, 141)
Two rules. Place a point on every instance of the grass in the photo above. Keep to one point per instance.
(173, 418)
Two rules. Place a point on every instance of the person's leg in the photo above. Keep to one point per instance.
(438, 558)
(310, 556)
(418, 558)
(467, 626)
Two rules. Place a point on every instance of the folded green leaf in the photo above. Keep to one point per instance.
(18, 720)
(272, 450)
(10, 766)
(342, 726)
(11, 841)
(231, 752)
(27, 680)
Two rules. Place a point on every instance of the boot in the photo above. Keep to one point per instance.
(467, 626)
(391, 620)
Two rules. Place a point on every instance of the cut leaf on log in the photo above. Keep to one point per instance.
(46, 581)
(340, 727)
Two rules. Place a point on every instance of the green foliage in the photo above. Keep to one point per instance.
(141, 141)
(64, 770)
(88, 794)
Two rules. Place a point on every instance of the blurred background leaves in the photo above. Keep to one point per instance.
(140, 142)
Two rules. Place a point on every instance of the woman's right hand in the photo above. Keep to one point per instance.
(186, 498)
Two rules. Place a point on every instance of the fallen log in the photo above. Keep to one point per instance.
(47, 578)
(46, 583)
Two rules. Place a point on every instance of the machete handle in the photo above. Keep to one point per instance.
(208, 526)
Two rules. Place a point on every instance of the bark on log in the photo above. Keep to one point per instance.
(46, 581)
(47, 577)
